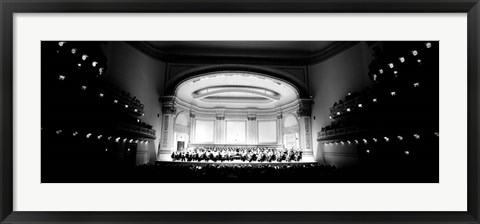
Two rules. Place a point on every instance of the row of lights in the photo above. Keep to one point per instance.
(393, 93)
(84, 58)
(99, 137)
(402, 60)
(375, 140)
(101, 95)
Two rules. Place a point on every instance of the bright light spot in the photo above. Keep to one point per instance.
(417, 84)
(416, 136)
(94, 64)
(135, 110)
(101, 94)
(61, 43)
(365, 141)
(381, 71)
(79, 65)
(84, 57)
(330, 117)
(348, 109)
(338, 113)
(390, 65)
(115, 101)
(58, 132)
(75, 133)
(400, 138)
(109, 137)
(407, 153)
(395, 72)
(61, 77)
(74, 50)
(428, 45)
(125, 139)
(386, 139)
(88, 135)
(374, 140)
(126, 106)
(419, 61)
(360, 105)
(100, 71)
(356, 141)
(393, 93)
(374, 100)
(84, 87)
(415, 52)
(368, 151)
(117, 139)
(402, 59)
(436, 134)
(99, 137)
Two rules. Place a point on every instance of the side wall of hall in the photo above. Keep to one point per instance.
(144, 78)
(329, 82)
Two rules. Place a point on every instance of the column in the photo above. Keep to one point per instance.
(304, 113)
(168, 118)
(219, 129)
(252, 130)
(279, 128)
(192, 127)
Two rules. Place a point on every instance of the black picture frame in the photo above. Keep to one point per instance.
(9, 7)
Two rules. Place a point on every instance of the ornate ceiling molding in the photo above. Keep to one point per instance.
(253, 58)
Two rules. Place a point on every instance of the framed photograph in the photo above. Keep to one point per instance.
(202, 112)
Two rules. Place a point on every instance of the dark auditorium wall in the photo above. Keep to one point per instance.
(143, 77)
(330, 81)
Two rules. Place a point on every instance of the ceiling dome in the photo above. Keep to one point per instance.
(236, 90)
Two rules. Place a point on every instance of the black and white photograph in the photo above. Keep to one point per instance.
(240, 111)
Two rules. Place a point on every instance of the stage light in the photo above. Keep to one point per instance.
(407, 153)
(436, 134)
(61, 43)
(416, 136)
(428, 45)
(125, 139)
(417, 84)
(356, 141)
(374, 100)
(126, 106)
(386, 139)
(400, 138)
(99, 137)
(61, 77)
(374, 77)
(74, 50)
(117, 139)
(115, 101)
(138, 120)
(128, 149)
(330, 117)
(84, 57)
(75, 133)
(106, 150)
(395, 72)
(146, 142)
(135, 110)
(348, 109)
(58, 132)
(415, 52)
(419, 61)
(136, 141)
(349, 142)
(402, 59)
(367, 151)
(84, 87)
(338, 113)
(143, 114)
(381, 71)
(131, 140)
(88, 135)
(365, 141)
(101, 94)
(360, 105)
(341, 142)
(79, 64)
(348, 94)
(100, 71)
(390, 65)
(109, 137)
(374, 140)
(393, 93)
(94, 64)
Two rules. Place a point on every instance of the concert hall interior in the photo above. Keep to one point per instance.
(240, 111)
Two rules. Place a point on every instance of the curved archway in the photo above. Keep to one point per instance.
(176, 80)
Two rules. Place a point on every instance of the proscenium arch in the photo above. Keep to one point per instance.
(176, 80)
